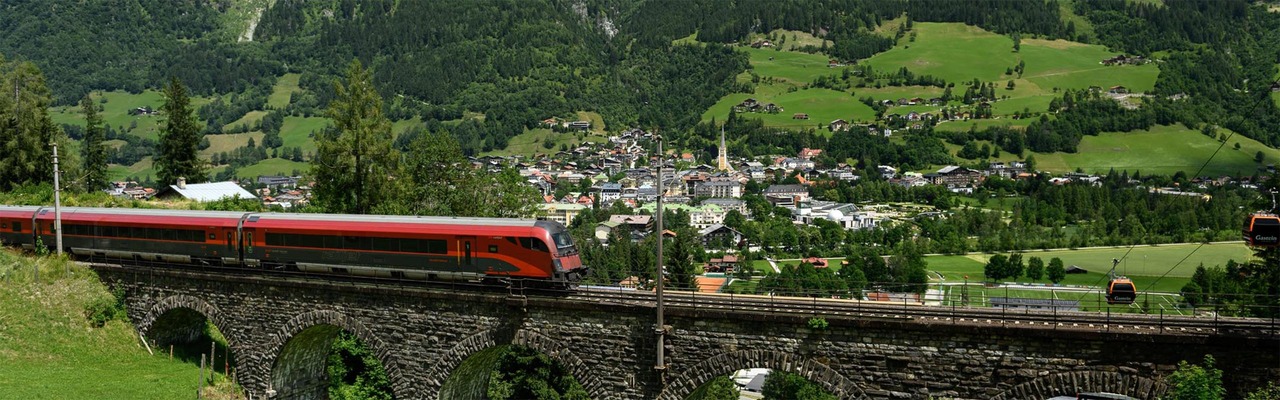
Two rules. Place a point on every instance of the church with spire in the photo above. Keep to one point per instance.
(722, 157)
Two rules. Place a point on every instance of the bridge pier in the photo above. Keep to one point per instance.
(279, 330)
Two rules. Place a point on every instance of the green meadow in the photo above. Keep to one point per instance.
(286, 86)
(51, 350)
(1144, 264)
(533, 141)
(1160, 150)
(958, 53)
(954, 52)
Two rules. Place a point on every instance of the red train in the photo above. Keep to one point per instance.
(409, 247)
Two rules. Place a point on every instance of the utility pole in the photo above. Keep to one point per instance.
(661, 329)
(57, 200)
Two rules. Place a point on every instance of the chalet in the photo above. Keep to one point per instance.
(1118, 90)
(838, 125)
(913, 116)
(637, 223)
(142, 111)
(718, 236)
(761, 43)
(579, 125)
(551, 122)
(726, 264)
(887, 103)
(729, 204)
(800, 116)
(902, 101)
(1275, 87)
(1123, 60)
(937, 101)
(807, 153)
(915, 100)
(772, 108)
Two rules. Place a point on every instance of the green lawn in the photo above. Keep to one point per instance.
(51, 351)
(1161, 150)
(285, 86)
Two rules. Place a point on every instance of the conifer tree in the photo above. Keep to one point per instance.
(355, 163)
(179, 138)
(93, 150)
(25, 127)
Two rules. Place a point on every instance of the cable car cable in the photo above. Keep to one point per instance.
(1265, 97)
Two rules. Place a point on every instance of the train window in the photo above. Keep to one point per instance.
(17, 227)
(533, 244)
(411, 246)
(512, 240)
(384, 244)
(436, 247)
(493, 248)
(332, 242)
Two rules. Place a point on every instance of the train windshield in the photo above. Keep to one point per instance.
(564, 243)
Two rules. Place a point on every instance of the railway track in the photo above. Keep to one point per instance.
(908, 312)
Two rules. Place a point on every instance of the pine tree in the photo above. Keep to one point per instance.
(93, 150)
(179, 138)
(25, 127)
(355, 163)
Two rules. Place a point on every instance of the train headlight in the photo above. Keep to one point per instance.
(555, 262)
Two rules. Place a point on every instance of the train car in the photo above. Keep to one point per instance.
(173, 236)
(16, 226)
(443, 248)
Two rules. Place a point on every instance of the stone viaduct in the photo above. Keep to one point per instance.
(279, 331)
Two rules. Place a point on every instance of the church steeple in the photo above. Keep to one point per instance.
(722, 158)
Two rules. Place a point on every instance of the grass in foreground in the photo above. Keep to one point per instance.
(52, 351)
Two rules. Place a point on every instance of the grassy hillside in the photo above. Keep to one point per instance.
(1161, 150)
(958, 52)
(285, 86)
(52, 351)
(533, 142)
(952, 51)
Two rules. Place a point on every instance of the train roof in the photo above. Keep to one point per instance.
(146, 212)
(407, 219)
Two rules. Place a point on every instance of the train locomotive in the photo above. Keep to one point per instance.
(403, 247)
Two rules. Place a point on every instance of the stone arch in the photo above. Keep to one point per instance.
(182, 301)
(304, 341)
(1068, 383)
(555, 349)
(684, 382)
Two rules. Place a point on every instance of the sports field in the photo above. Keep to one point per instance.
(1144, 264)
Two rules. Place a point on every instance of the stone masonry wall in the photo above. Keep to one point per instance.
(278, 331)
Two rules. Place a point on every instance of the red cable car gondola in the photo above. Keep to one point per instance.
(1120, 290)
(1262, 230)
